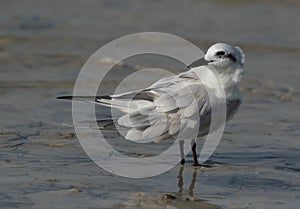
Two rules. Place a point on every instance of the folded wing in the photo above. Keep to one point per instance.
(169, 107)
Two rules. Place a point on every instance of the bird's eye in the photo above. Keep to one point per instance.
(220, 53)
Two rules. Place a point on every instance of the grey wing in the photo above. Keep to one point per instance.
(174, 107)
(170, 105)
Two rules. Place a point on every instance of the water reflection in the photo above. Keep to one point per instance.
(173, 200)
(192, 184)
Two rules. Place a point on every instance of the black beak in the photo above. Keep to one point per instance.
(198, 63)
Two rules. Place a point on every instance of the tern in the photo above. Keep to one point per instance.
(176, 103)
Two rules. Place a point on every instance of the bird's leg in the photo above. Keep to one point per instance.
(181, 144)
(193, 144)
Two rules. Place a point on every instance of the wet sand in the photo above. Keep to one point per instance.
(42, 49)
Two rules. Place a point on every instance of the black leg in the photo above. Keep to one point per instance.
(194, 153)
(181, 144)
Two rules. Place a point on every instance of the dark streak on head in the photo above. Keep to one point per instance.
(230, 56)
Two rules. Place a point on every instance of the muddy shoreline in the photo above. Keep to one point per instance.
(42, 49)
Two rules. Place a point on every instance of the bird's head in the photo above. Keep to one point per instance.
(221, 55)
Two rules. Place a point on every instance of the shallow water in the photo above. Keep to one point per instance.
(43, 46)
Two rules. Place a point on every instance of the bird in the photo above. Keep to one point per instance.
(176, 103)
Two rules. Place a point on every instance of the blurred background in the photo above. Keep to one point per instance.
(44, 44)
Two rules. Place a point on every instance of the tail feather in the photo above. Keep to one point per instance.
(135, 125)
(122, 103)
(84, 98)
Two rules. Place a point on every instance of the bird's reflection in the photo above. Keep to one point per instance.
(180, 179)
(181, 183)
(172, 200)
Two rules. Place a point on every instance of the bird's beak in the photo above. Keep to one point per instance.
(199, 62)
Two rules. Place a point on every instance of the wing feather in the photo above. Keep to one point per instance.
(160, 111)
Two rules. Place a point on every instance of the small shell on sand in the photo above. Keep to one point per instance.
(75, 190)
(169, 197)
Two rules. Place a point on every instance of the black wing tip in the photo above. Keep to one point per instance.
(87, 98)
(104, 97)
(65, 97)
